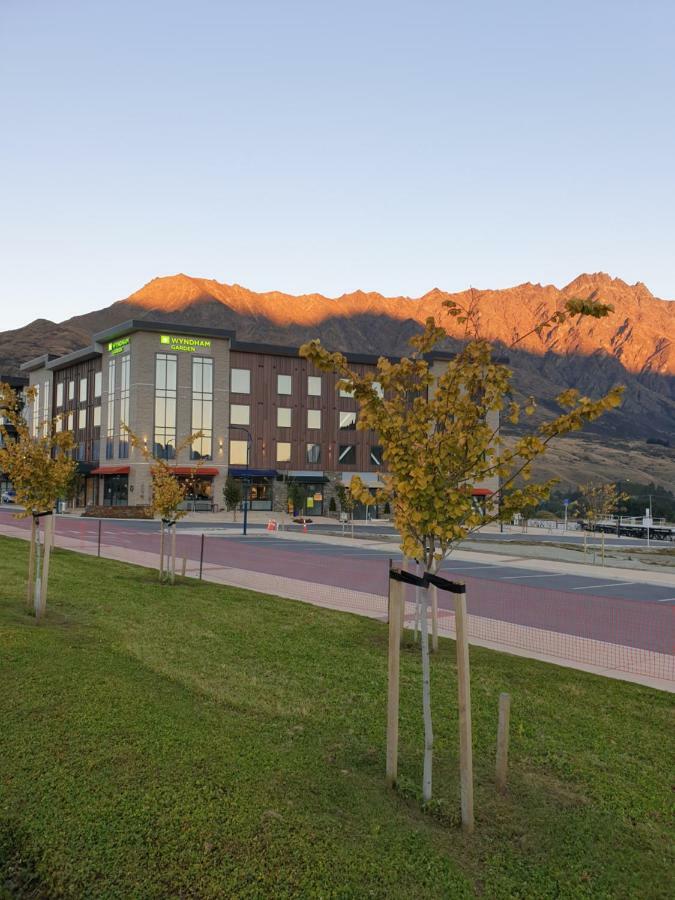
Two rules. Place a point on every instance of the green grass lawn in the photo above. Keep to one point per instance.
(201, 741)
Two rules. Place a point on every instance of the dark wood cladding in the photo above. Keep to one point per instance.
(89, 438)
(264, 401)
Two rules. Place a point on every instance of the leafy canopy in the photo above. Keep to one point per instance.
(439, 429)
(40, 466)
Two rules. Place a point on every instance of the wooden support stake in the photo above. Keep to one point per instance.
(503, 741)
(31, 567)
(173, 553)
(161, 550)
(395, 603)
(464, 696)
(183, 567)
(48, 535)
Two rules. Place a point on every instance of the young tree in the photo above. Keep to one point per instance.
(232, 495)
(296, 495)
(597, 502)
(167, 496)
(440, 437)
(347, 500)
(41, 469)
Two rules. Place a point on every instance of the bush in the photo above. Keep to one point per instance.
(332, 506)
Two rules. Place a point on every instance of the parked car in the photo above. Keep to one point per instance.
(9, 496)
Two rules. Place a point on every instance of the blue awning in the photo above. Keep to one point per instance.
(243, 472)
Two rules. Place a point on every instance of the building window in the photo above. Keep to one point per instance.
(71, 390)
(45, 409)
(347, 454)
(284, 385)
(71, 421)
(377, 387)
(59, 395)
(347, 395)
(110, 423)
(97, 417)
(313, 453)
(283, 452)
(82, 419)
(59, 423)
(238, 453)
(83, 390)
(98, 377)
(314, 385)
(314, 418)
(202, 406)
(376, 456)
(165, 405)
(35, 412)
(347, 420)
(283, 417)
(241, 381)
(124, 407)
(240, 414)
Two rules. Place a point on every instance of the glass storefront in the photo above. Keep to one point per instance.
(115, 490)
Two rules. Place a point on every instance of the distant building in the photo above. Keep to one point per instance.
(267, 415)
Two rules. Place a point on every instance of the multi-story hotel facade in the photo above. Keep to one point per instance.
(266, 415)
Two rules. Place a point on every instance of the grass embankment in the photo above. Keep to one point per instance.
(204, 741)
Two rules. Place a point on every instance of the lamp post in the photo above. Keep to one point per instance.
(247, 479)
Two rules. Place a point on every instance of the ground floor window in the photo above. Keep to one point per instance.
(198, 490)
(310, 499)
(115, 490)
(260, 492)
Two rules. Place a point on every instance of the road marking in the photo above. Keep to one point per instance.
(666, 600)
(592, 587)
(545, 575)
(480, 566)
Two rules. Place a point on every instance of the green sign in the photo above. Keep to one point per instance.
(118, 346)
(184, 344)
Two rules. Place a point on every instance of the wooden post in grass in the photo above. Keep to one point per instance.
(503, 741)
(173, 553)
(464, 696)
(161, 549)
(31, 565)
(395, 603)
(48, 537)
(434, 619)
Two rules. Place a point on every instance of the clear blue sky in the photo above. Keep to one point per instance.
(307, 146)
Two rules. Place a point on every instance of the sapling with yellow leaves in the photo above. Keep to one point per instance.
(440, 436)
(40, 465)
(168, 494)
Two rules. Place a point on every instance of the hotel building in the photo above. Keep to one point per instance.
(266, 415)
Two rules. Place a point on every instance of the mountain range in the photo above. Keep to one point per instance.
(634, 346)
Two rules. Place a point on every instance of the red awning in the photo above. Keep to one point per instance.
(210, 471)
(481, 492)
(110, 470)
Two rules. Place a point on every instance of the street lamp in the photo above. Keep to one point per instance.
(247, 479)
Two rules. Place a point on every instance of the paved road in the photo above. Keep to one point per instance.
(628, 612)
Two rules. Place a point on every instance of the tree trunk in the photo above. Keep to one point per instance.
(31, 567)
(426, 703)
(161, 549)
(48, 537)
(434, 619)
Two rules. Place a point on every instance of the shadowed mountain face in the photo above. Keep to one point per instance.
(634, 346)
